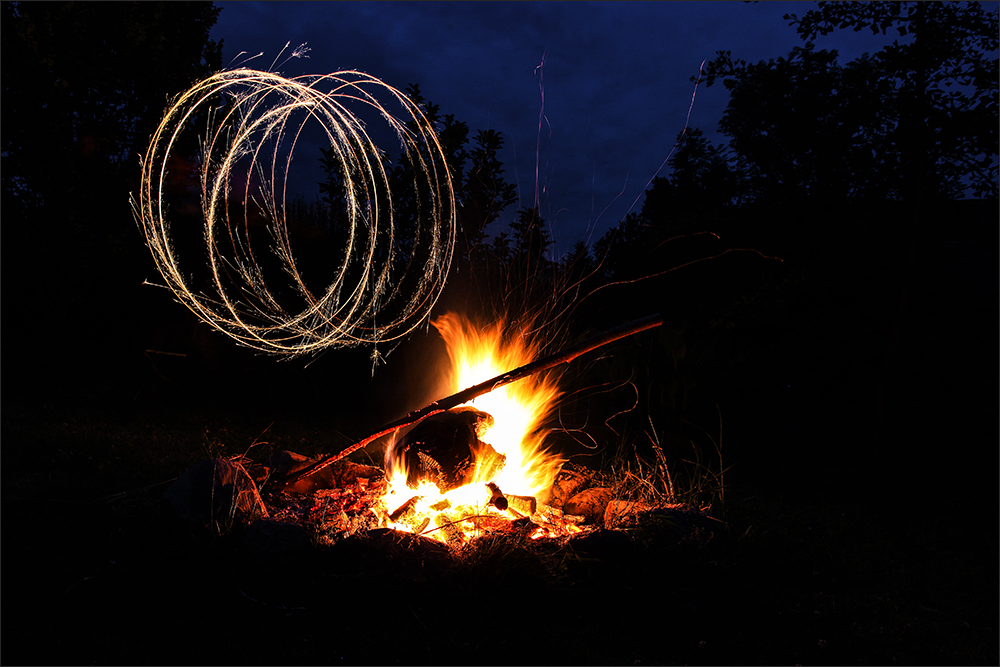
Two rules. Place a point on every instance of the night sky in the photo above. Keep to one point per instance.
(616, 78)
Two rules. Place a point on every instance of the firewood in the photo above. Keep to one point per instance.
(487, 523)
(497, 499)
(445, 448)
(489, 462)
(466, 395)
(450, 529)
(402, 509)
(524, 505)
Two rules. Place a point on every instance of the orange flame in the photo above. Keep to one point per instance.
(478, 353)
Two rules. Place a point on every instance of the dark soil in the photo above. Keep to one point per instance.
(825, 561)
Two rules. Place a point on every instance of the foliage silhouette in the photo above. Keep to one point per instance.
(916, 119)
(84, 85)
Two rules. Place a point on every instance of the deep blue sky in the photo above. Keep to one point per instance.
(616, 78)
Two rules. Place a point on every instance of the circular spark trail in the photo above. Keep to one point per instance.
(387, 273)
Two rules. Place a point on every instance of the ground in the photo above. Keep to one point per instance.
(828, 561)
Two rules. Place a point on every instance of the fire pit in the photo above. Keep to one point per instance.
(469, 467)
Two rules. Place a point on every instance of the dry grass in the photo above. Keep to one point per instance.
(698, 481)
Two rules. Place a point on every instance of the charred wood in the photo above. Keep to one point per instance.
(444, 448)
(497, 498)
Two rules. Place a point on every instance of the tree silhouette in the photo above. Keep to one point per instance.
(915, 120)
(702, 185)
(531, 240)
(622, 248)
(87, 82)
(701, 191)
(485, 195)
(84, 85)
(948, 86)
(805, 127)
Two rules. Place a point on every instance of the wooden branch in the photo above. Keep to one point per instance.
(466, 395)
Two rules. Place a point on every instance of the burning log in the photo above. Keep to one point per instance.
(407, 515)
(398, 513)
(497, 499)
(487, 523)
(523, 505)
(444, 448)
(466, 395)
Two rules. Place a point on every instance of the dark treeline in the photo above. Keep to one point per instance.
(805, 263)
(84, 86)
(804, 266)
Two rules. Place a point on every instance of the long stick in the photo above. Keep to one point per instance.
(466, 395)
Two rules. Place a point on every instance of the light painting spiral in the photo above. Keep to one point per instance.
(387, 272)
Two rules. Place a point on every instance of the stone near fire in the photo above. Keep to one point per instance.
(567, 484)
(589, 504)
(214, 495)
(620, 511)
(443, 448)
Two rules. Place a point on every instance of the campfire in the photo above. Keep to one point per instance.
(468, 466)
(481, 465)
(465, 466)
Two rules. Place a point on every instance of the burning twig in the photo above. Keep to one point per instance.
(466, 395)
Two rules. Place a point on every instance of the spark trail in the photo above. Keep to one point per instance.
(387, 277)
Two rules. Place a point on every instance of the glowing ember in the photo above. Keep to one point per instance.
(510, 471)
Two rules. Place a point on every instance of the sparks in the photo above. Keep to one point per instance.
(255, 123)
